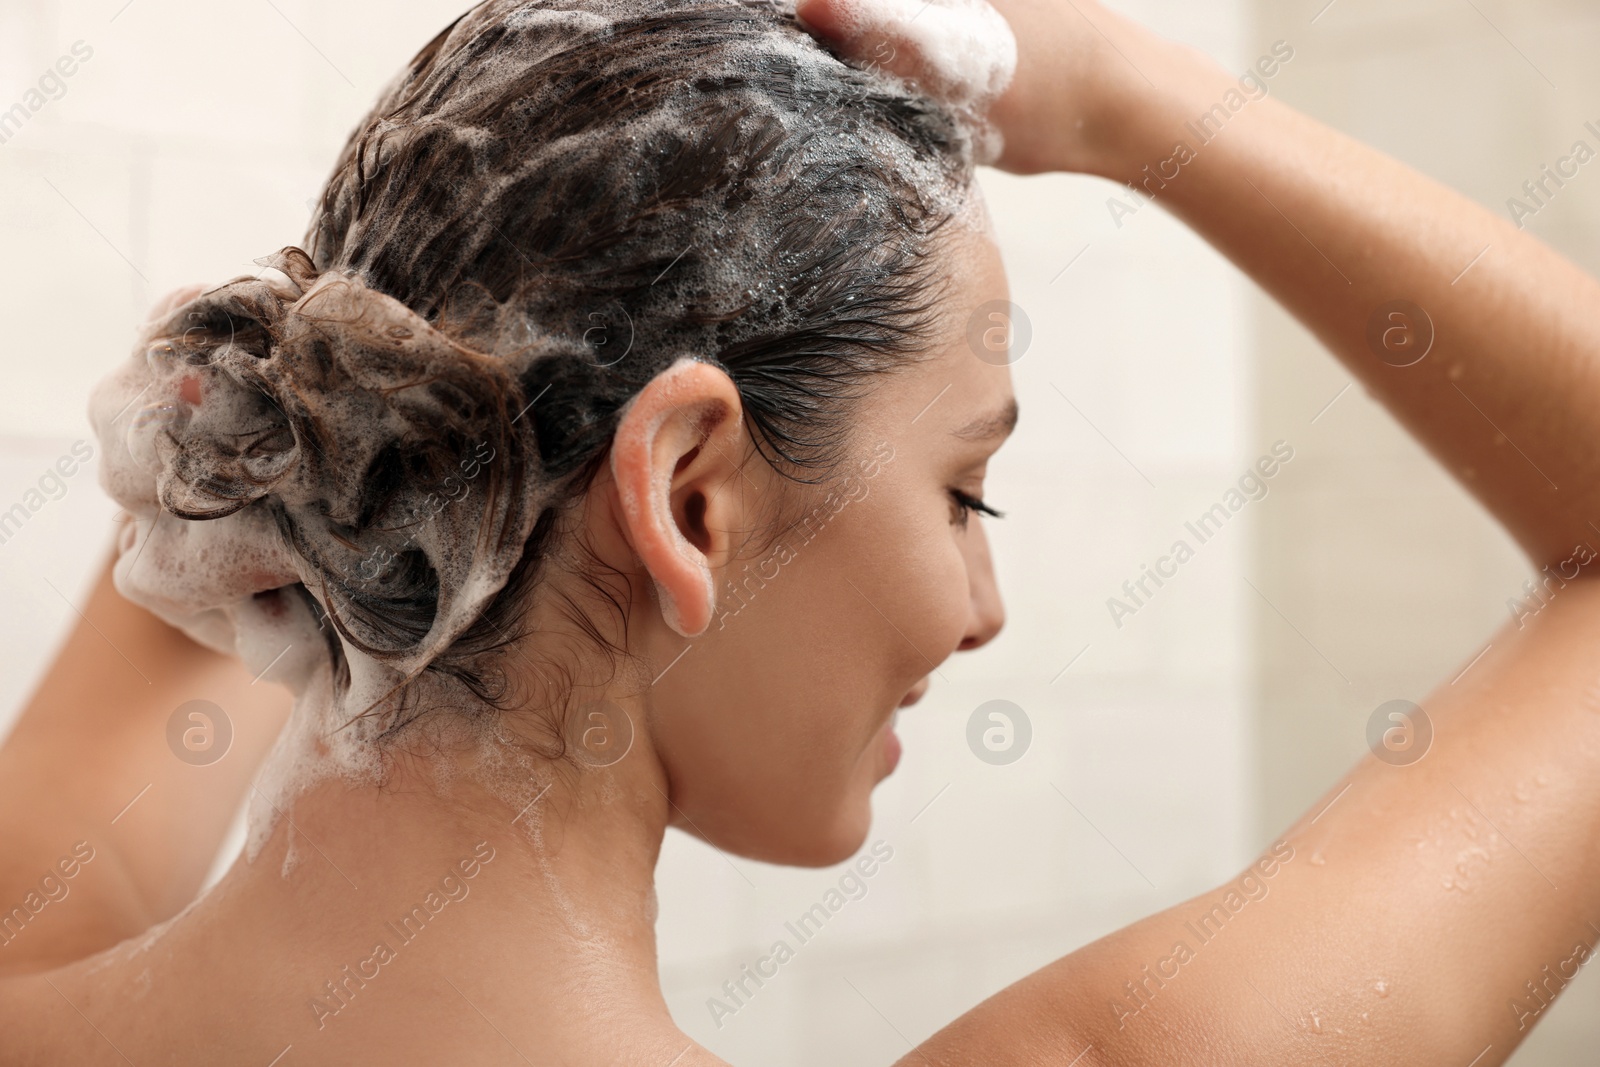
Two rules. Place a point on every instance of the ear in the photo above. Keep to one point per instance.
(678, 447)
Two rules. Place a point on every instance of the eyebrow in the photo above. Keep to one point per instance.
(987, 427)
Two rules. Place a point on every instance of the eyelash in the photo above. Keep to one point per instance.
(966, 504)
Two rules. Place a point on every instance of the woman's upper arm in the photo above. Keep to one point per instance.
(1400, 921)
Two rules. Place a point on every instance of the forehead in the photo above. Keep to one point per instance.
(968, 365)
(959, 388)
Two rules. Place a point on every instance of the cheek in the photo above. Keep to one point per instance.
(915, 577)
(770, 725)
(872, 603)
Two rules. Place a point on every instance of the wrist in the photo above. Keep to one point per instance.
(1097, 93)
(1159, 128)
(1144, 124)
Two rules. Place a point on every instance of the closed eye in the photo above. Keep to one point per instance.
(966, 504)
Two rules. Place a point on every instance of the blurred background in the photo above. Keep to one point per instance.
(1166, 751)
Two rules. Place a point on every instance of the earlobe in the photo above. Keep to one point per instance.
(674, 437)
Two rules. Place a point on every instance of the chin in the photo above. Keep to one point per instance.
(808, 838)
(839, 841)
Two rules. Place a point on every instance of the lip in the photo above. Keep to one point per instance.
(891, 748)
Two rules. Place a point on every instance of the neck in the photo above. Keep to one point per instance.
(450, 897)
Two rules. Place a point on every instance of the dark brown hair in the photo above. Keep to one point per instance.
(621, 184)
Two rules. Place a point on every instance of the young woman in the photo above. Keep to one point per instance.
(610, 461)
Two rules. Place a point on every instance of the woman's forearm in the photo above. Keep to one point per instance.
(93, 766)
(1503, 387)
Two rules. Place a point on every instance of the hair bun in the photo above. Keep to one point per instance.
(390, 457)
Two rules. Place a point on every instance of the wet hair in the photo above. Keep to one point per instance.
(573, 196)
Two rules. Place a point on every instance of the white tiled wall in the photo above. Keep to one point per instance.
(190, 143)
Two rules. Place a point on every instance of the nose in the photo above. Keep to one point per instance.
(988, 613)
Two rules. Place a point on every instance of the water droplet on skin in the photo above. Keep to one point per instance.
(1317, 860)
(1316, 1023)
(1363, 1016)
(1381, 988)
